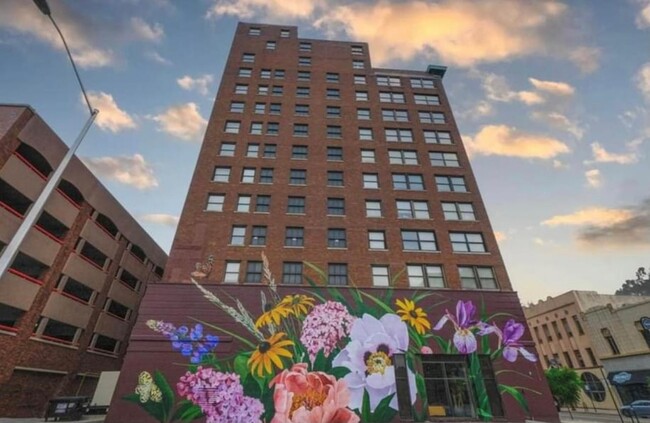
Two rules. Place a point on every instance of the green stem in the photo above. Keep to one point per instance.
(227, 332)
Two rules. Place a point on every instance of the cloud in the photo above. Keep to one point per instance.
(560, 121)
(128, 170)
(585, 58)
(643, 18)
(156, 57)
(182, 121)
(594, 178)
(161, 219)
(200, 84)
(603, 156)
(110, 117)
(592, 216)
(552, 87)
(500, 236)
(278, 9)
(23, 17)
(502, 140)
(643, 80)
(145, 31)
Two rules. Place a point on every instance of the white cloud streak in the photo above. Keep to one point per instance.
(110, 117)
(129, 170)
(161, 219)
(600, 155)
(502, 140)
(182, 121)
(145, 31)
(201, 84)
(594, 178)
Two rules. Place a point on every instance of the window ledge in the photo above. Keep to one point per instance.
(235, 245)
(337, 248)
(102, 353)
(335, 215)
(7, 332)
(295, 246)
(58, 344)
(379, 249)
(295, 214)
(486, 253)
(422, 251)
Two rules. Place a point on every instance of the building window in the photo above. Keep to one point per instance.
(296, 205)
(412, 182)
(298, 177)
(437, 137)
(243, 203)
(361, 95)
(263, 203)
(266, 175)
(592, 357)
(304, 75)
(241, 89)
(301, 110)
(227, 149)
(365, 134)
(270, 45)
(458, 211)
(248, 58)
(370, 180)
(398, 135)
(337, 274)
(299, 152)
(333, 112)
(221, 174)
(333, 94)
(265, 73)
(334, 178)
(117, 309)
(305, 47)
(92, 253)
(334, 154)
(256, 128)
(465, 242)
(269, 151)
(294, 237)
(284, 33)
(377, 240)
(390, 97)
(260, 108)
(238, 235)
(254, 31)
(567, 328)
(576, 321)
(367, 156)
(360, 79)
(593, 387)
(81, 291)
(275, 108)
(373, 208)
(292, 273)
(59, 330)
(422, 83)
(333, 131)
(356, 50)
(388, 81)
(412, 209)
(248, 175)
(236, 107)
(380, 276)
(245, 72)
(426, 99)
(425, 275)
(556, 329)
(215, 202)
(403, 157)
(252, 150)
(336, 206)
(258, 235)
(304, 61)
(419, 240)
(232, 127)
(272, 128)
(443, 159)
(363, 114)
(262, 90)
(302, 92)
(547, 332)
(277, 90)
(450, 184)
(331, 77)
(336, 238)
(431, 117)
(105, 343)
(477, 277)
(392, 115)
(278, 73)
(300, 129)
(253, 272)
(232, 272)
(609, 338)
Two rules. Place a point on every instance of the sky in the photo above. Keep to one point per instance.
(552, 100)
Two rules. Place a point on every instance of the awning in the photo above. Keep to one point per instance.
(628, 377)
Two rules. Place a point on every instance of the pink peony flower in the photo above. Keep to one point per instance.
(324, 327)
(426, 350)
(310, 397)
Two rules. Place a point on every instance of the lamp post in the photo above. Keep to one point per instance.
(11, 251)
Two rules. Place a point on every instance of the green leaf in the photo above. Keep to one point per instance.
(442, 343)
(318, 270)
(227, 332)
(154, 409)
(516, 394)
(339, 372)
(187, 411)
(377, 301)
(365, 407)
(168, 397)
(241, 366)
(311, 282)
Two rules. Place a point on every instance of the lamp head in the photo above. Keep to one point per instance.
(43, 7)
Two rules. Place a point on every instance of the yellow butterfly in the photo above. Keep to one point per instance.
(147, 389)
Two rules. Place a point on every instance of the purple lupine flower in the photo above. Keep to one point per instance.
(191, 343)
(509, 340)
(464, 322)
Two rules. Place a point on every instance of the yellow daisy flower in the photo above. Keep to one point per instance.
(413, 315)
(273, 315)
(299, 304)
(267, 355)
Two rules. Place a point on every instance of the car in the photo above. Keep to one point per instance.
(638, 408)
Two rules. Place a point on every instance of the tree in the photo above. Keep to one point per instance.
(639, 286)
(565, 385)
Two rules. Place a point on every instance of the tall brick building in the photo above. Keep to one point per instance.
(71, 296)
(321, 161)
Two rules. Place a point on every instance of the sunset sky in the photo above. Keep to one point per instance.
(552, 99)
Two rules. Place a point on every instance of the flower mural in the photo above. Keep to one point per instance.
(307, 358)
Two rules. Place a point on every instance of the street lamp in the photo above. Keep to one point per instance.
(37, 208)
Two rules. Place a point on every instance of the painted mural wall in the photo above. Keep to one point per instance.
(274, 354)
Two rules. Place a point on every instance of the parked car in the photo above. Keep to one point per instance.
(639, 408)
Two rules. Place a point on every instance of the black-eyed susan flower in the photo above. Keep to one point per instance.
(299, 304)
(268, 355)
(413, 315)
(274, 314)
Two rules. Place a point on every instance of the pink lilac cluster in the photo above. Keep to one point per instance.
(324, 327)
(220, 396)
(161, 327)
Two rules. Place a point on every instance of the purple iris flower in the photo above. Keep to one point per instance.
(464, 322)
(509, 340)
